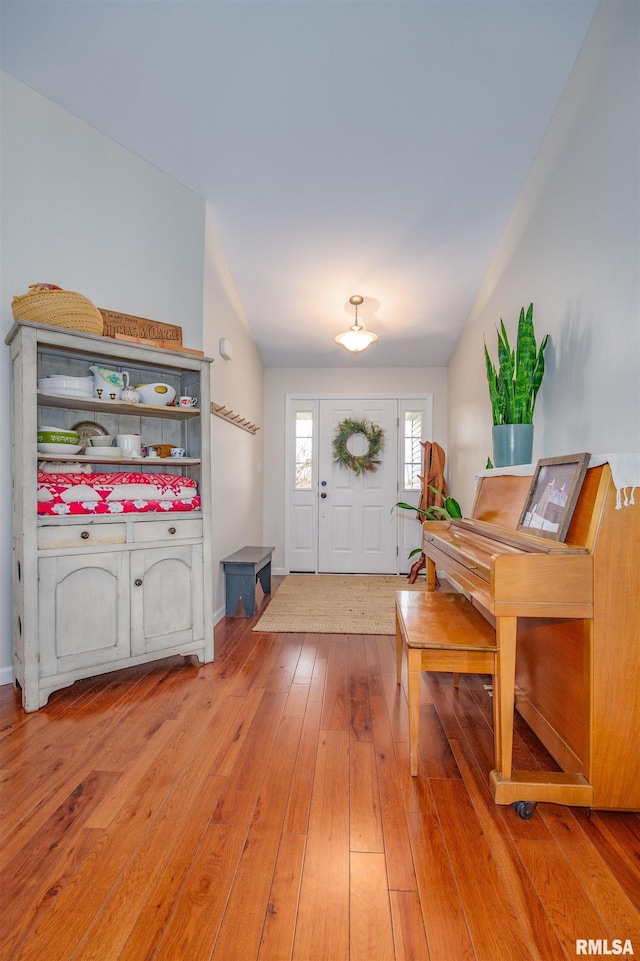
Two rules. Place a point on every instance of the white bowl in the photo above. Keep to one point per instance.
(61, 381)
(159, 394)
(67, 392)
(59, 448)
(56, 430)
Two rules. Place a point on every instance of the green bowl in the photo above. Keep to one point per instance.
(57, 435)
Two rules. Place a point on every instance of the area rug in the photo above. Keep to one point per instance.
(335, 604)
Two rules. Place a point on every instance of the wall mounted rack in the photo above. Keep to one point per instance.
(221, 411)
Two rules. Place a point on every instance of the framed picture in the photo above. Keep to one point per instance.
(552, 495)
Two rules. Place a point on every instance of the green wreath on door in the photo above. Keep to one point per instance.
(362, 463)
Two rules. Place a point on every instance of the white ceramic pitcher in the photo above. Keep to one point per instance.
(109, 382)
(130, 444)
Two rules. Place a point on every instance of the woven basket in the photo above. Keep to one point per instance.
(60, 308)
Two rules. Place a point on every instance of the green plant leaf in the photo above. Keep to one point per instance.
(538, 373)
(442, 511)
(525, 365)
(409, 507)
(452, 507)
(506, 360)
(492, 379)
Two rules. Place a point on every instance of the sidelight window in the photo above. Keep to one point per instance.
(304, 450)
(412, 450)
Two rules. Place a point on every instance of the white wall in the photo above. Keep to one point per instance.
(238, 383)
(317, 381)
(79, 211)
(572, 247)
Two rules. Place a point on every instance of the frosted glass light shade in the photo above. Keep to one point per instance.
(356, 339)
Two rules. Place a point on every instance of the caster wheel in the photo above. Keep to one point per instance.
(525, 809)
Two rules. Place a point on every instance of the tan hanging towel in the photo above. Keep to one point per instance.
(432, 476)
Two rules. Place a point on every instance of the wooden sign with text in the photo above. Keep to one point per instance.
(139, 329)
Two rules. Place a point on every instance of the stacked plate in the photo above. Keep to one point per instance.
(100, 452)
(65, 386)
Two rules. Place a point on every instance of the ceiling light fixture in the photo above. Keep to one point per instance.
(356, 338)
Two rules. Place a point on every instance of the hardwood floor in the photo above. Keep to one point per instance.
(261, 807)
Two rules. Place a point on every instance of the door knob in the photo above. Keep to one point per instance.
(323, 495)
(138, 582)
(323, 483)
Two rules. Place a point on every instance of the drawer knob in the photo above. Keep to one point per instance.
(138, 582)
(172, 530)
(85, 535)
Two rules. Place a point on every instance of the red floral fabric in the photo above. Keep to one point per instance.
(116, 493)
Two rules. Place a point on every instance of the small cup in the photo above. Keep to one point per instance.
(177, 451)
(186, 401)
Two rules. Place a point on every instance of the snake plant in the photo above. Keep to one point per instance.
(513, 388)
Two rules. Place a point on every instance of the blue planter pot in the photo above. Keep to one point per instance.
(512, 444)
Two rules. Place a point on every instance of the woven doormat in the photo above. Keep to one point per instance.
(335, 604)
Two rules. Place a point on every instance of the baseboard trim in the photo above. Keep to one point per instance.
(6, 675)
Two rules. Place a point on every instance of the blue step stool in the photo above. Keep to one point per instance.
(242, 571)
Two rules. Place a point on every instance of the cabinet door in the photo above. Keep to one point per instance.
(166, 598)
(84, 611)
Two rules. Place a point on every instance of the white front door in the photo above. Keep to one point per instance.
(357, 532)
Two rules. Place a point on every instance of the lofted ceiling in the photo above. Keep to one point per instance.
(372, 147)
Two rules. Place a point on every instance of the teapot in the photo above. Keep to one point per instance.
(106, 383)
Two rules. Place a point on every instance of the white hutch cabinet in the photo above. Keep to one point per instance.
(94, 593)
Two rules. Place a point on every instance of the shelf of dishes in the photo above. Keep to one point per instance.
(105, 459)
(46, 399)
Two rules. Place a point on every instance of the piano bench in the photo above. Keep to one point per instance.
(441, 632)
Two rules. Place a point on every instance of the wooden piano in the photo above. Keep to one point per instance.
(567, 617)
